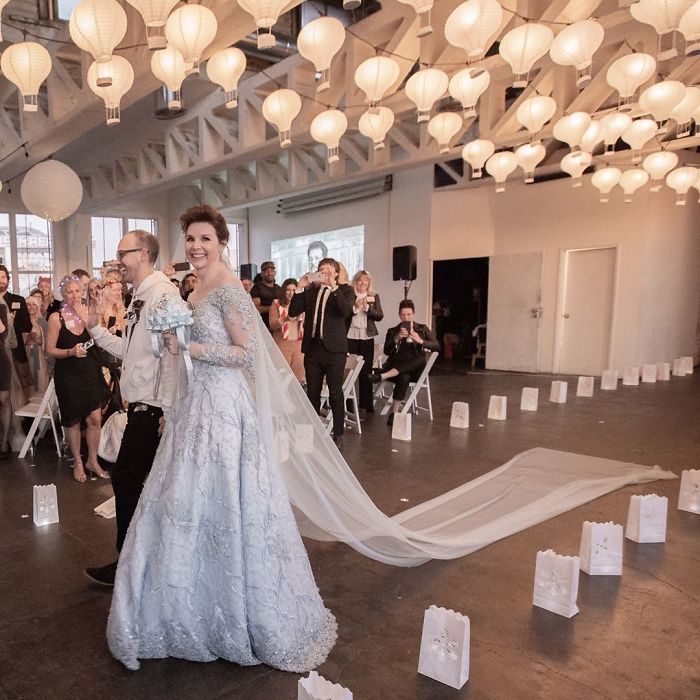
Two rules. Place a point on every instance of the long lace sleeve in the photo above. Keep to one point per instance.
(236, 310)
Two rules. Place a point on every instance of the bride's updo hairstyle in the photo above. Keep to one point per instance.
(206, 214)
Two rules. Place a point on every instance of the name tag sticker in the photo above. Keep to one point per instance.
(15, 305)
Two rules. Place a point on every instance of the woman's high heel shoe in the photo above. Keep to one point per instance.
(79, 476)
(97, 471)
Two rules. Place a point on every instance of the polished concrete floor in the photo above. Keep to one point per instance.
(637, 636)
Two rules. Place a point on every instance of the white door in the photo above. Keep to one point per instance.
(513, 327)
(586, 312)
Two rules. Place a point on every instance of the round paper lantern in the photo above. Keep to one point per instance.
(190, 29)
(614, 125)
(574, 165)
(424, 88)
(51, 190)
(375, 125)
(570, 129)
(592, 136)
(122, 80)
(499, 166)
(26, 64)
(169, 67)
(466, 86)
(472, 26)
(683, 112)
(523, 46)
(637, 135)
(626, 74)
(575, 46)
(225, 68)
(658, 165)
(664, 16)
(529, 156)
(327, 128)
(318, 42)
(681, 180)
(476, 153)
(660, 99)
(280, 108)
(535, 112)
(689, 27)
(422, 8)
(604, 180)
(375, 76)
(631, 180)
(443, 127)
(265, 13)
(154, 13)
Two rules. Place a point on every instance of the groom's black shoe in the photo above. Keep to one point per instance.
(102, 575)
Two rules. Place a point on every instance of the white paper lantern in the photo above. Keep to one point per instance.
(614, 125)
(689, 27)
(574, 165)
(51, 190)
(424, 88)
(604, 180)
(265, 13)
(681, 180)
(637, 135)
(626, 74)
(318, 42)
(683, 112)
(535, 112)
(664, 16)
(658, 165)
(443, 127)
(660, 99)
(575, 46)
(570, 129)
(190, 29)
(593, 135)
(466, 86)
(280, 108)
(472, 25)
(631, 180)
(225, 68)
(26, 64)
(122, 80)
(476, 153)
(169, 67)
(375, 125)
(499, 166)
(523, 46)
(154, 13)
(529, 156)
(327, 128)
(97, 26)
(375, 76)
(422, 8)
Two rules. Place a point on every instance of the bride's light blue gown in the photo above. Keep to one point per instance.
(213, 565)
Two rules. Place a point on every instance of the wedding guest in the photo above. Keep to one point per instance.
(110, 303)
(288, 331)
(92, 291)
(266, 291)
(49, 304)
(6, 336)
(247, 284)
(84, 277)
(34, 342)
(189, 284)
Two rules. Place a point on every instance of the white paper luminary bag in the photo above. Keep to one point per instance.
(529, 399)
(556, 583)
(558, 392)
(498, 406)
(585, 386)
(45, 505)
(649, 374)
(663, 371)
(460, 415)
(444, 647)
(315, 687)
(687, 364)
(646, 518)
(630, 376)
(689, 493)
(601, 549)
(401, 430)
(608, 380)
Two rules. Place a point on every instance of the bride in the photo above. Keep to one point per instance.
(213, 564)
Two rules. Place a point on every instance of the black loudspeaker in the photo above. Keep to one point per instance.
(405, 261)
(248, 271)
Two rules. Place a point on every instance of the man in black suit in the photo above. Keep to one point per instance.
(22, 324)
(328, 309)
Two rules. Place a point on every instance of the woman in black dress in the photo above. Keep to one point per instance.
(78, 381)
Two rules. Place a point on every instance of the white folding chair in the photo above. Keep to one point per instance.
(385, 388)
(353, 366)
(40, 408)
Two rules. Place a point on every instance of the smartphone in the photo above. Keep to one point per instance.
(314, 276)
(88, 344)
(181, 267)
(111, 321)
(370, 300)
(406, 325)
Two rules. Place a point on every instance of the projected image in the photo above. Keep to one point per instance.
(295, 257)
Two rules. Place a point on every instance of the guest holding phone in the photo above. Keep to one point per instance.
(405, 347)
(78, 381)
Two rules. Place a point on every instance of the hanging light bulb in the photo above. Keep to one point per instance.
(575, 46)
(26, 64)
(683, 112)
(154, 13)
(499, 166)
(658, 165)
(529, 156)
(523, 46)
(97, 26)
(318, 42)
(2, 4)
(169, 67)
(660, 99)
(466, 86)
(51, 190)
(327, 128)
(593, 135)
(190, 29)
(375, 76)
(626, 74)
(631, 180)
(575, 165)
(570, 129)
(637, 134)
(604, 180)
(375, 125)
(689, 27)
(225, 68)
(614, 125)
(681, 180)
(424, 88)
(265, 13)
(281, 108)
(476, 153)
(443, 127)
(472, 25)
(122, 80)
(534, 113)
(664, 16)
(422, 8)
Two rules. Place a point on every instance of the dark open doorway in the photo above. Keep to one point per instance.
(460, 302)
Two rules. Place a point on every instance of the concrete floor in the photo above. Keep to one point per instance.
(635, 637)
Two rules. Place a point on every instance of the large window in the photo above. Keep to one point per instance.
(107, 231)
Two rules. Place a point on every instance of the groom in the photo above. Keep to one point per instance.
(148, 408)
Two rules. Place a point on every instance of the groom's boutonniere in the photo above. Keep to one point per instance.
(135, 311)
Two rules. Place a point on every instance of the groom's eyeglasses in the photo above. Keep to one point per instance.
(122, 253)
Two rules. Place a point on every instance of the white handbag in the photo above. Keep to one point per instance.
(111, 436)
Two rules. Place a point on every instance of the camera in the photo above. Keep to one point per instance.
(181, 267)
